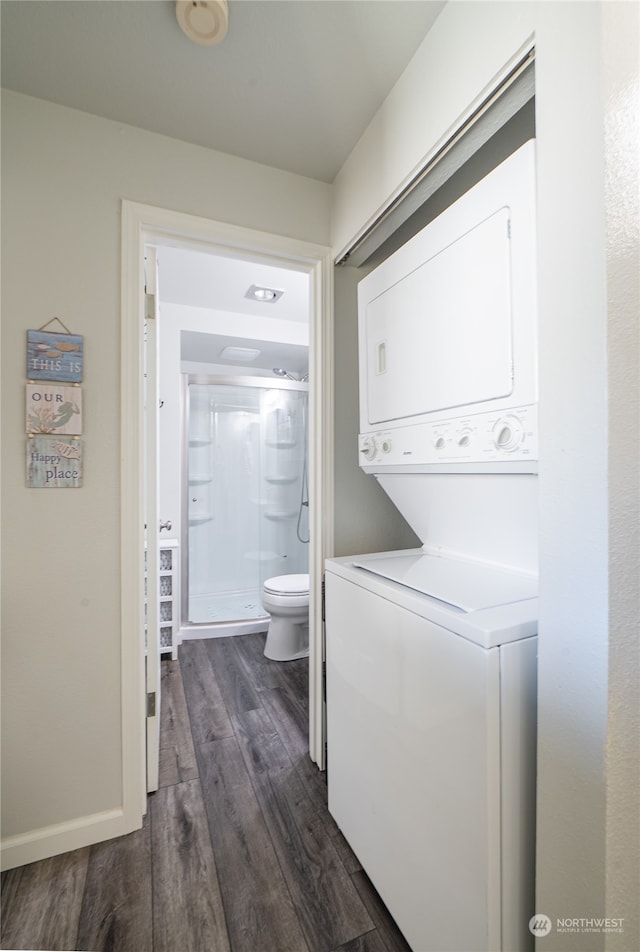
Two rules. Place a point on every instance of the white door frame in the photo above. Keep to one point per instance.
(151, 482)
(146, 224)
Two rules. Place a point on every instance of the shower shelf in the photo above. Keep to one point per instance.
(281, 479)
(200, 442)
(282, 444)
(197, 479)
(275, 516)
(199, 520)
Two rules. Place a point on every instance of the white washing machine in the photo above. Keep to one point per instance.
(431, 714)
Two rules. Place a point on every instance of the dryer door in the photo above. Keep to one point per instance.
(441, 336)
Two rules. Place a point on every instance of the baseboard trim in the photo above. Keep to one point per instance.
(58, 838)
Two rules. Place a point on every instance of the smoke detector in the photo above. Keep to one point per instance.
(203, 21)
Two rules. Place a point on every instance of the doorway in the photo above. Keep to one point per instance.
(233, 349)
(144, 226)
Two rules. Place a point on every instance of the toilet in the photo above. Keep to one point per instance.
(286, 599)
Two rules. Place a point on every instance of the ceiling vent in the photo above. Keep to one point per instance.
(240, 354)
(203, 21)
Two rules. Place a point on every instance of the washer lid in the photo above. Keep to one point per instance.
(288, 585)
(464, 584)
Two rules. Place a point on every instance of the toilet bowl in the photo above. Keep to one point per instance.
(286, 599)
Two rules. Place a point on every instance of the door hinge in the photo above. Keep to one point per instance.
(151, 704)
(149, 307)
(323, 598)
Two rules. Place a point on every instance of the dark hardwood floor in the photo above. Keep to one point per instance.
(238, 852)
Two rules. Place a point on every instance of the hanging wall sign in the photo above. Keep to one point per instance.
(52, 356)
(53, 408)
(54, 462)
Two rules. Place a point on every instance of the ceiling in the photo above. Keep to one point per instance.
(293, 85)
(199, 348)
(220, 284)
(198, 279)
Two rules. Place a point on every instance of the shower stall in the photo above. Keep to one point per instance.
(245, 511)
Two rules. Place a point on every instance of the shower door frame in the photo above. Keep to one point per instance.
(189, 629)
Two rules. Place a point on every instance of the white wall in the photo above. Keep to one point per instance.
(573, 470)
(64, 174)
(622, 196)
(468, 46)
(588, 412)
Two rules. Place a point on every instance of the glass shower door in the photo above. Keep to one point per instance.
(245, 488)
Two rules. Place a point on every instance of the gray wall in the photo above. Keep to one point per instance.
(64, 175)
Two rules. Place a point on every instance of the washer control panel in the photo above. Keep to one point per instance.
(486, 442)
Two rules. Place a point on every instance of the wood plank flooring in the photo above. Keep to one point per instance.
(238, 852)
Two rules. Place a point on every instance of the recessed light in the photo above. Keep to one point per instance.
(264, 295)
(241, 354)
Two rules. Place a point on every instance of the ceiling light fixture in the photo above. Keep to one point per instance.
(265, 295)
(203, 21)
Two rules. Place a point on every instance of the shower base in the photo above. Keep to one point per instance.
(219, 616)
(227, 607)
(223, 629)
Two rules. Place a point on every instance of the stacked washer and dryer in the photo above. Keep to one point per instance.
(431, 652)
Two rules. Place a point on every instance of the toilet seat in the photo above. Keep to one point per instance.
(287, 585)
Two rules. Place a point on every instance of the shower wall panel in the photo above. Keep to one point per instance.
(246, 494)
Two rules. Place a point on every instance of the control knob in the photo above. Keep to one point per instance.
(368, 447)
(507, 434)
